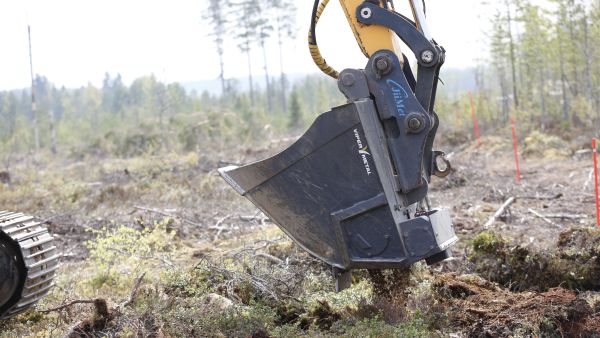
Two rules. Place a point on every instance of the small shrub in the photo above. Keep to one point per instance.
(124, 249)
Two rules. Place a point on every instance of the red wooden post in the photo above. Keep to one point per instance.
(475, 123)
(514, 135)
(595, 155)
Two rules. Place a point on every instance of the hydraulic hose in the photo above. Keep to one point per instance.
(319, 60)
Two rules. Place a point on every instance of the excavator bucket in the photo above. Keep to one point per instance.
(327, 191)
(352, 190)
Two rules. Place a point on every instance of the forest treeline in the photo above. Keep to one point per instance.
(147, 115)
(541, 68)
(543, 65)
(252, 24)
(150, 114)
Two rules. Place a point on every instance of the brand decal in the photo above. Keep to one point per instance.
(363, 151)
(399, 94)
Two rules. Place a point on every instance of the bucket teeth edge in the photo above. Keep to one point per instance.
(224, 172)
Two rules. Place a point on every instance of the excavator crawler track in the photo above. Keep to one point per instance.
(36, 260)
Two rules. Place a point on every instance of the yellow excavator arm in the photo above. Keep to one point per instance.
(370, 38)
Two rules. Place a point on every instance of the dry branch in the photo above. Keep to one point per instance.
(219, 228)
(499, 212)
(69, 304)
(166, 214)
(567, 216)
(134, 291)
(260, 219)
(221, 220)
(537, 197)
(269, 257)
(97, 322)
(96, 301)
(544, 218)
(125, 253)
(589, 179)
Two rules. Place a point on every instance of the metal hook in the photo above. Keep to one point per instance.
(436, 169)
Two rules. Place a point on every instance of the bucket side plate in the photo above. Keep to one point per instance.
(325, 193)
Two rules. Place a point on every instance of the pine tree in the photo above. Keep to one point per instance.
(216, 16)
(246, 33)
(263, 34)
(500, 57)
(511, 44)
(285, 21)
(534, 45)
(295, 111)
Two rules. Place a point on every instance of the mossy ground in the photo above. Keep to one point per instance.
(571, 263)
(227, 293)
(215, 267)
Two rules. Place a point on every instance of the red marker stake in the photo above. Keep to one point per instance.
(595, 154)
(514, 135)
(475, 123)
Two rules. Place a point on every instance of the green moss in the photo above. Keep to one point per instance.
(488, 242)
(183, 283)
(548, 146)
(348, 299)
(376, 328)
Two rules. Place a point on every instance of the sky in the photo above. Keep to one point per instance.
(76, 42)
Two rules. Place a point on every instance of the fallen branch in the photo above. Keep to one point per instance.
(536, 197)
(544, 218)
(102, 316)
(166, 214)
(68, 305)
(260, 219)
(234, 277)
(134, 291)
(130, 300)
(269, 257)
(499, 212)
(221, 220)
(589, 179)
(129, 254)
(219, 228)
(566, 216)
(219, 231)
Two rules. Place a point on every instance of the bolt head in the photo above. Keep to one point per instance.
(348, 79)
(427, 56)
(414, 123)
(382, 64)
(365, 13)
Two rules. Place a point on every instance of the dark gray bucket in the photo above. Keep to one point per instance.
(326, 193)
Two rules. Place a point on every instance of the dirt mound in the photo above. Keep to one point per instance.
(572, 264)
(490, 144)
(486, 310)
(580, 241)
(544, 145)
